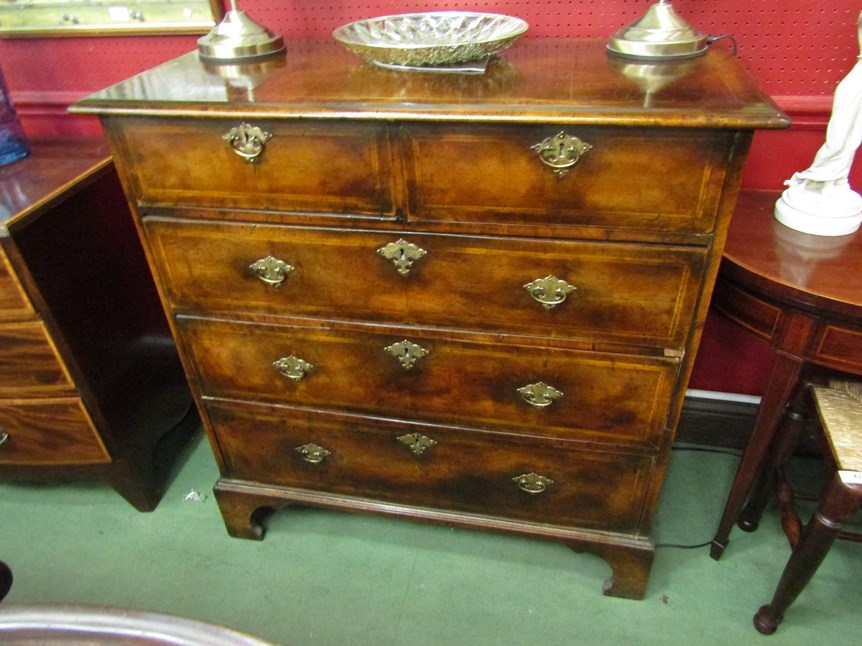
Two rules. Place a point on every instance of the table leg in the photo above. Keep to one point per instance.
(785, 374)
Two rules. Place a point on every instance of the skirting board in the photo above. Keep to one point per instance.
(720, 420)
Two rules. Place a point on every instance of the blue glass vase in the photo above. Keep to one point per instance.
(13, 141)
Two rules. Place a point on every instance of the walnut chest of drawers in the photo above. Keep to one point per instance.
(91, 385)
(472, 300)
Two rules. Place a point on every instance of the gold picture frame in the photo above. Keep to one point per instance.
(58, 18)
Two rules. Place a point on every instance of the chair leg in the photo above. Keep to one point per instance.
(5, 580)
(838, 503)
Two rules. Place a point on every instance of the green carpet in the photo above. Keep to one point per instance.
(326, 578)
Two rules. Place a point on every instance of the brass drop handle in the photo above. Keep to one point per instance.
(407, 353)
(313, 453)
(417, 442)
(247, 141)
(550, 291)
(532, 482)
(402, 254)
(4, 437)
(271, 270)
(293, 367)
(539, 394)
(561, 152)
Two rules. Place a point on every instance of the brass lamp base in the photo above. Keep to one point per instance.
(660, 34)
(237, 37)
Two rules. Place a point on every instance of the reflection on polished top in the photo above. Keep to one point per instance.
(821, 271)
(569, 81)
(52, 165)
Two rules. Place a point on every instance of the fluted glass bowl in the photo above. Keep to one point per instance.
(430, 39)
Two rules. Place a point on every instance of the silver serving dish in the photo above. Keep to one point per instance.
(430, 39)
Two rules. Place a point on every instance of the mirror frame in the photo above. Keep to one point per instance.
(208, 13)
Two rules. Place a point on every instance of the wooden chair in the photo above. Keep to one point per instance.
(839, 415)
(5, 579)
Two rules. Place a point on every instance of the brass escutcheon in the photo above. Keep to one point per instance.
(416, 442)
(271, 270)
(550, 291)
(293, 367)
(403, 254)
(539, 394)
(561, 152)
(247, 141)
(532, 482)
(407, 352)
(313, 453)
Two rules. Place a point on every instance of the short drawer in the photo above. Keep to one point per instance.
(48, 431)
(13, 302)
(630, 178)
(462, 380)
(305, 166)
(434, 467)
(609, 292)
(28, 362)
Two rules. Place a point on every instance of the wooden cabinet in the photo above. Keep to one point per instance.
(472, 300)
(90, 382)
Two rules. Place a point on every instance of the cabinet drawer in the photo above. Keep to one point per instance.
(49, 431)
(631, 178)
(310, 167)
(469, 472)
(28, 361)
(13, 302)
(625, 293)
(463, 380)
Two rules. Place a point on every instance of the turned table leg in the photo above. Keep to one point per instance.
(838, 504)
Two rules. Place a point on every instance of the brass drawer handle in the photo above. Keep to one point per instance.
(539, 394)
(271, 270)
(402, 254)
(293, 367)
(247, 141)
(550, 291)
(416, 442)
(313, 453)
(532, 482)
(407, 352)
(561, 152)
(4, 437)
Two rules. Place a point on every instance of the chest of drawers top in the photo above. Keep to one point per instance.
(537, 80)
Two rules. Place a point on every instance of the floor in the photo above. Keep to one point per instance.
(324, 578)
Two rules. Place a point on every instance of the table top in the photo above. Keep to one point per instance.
(54, 164)
(815, 273)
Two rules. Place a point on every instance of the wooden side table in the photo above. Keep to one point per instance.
(802, 295)
(90, 381)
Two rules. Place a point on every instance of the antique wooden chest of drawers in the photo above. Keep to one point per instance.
(469, 299)
(91, 385)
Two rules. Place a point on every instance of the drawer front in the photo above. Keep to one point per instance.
(314, 167)
(13, 302)
(462, 380)
(625, 293)
(50, 432)
(839, 347)
(28, 361)
(631, 178)
(470, 472)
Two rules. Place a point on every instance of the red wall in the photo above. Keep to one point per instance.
(798, 51)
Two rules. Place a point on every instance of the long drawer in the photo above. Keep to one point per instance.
(462, 380)
(29, 364)
(49, 431)
(612, 292)
(426, 466)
